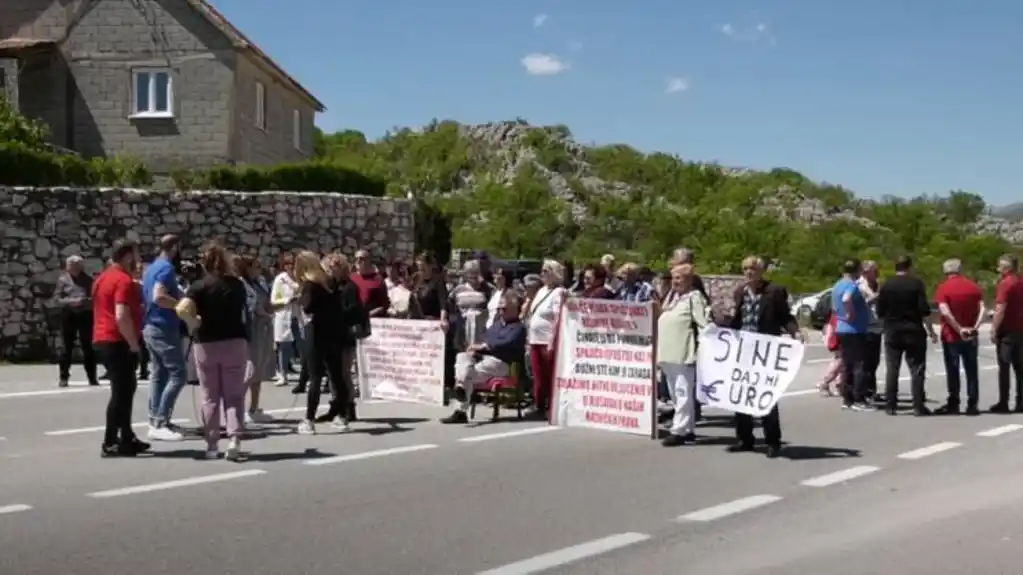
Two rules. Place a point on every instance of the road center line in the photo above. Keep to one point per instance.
(45, 392)
(96, 428)
(1002, 430)
(371, 454)
(17, 508)
(516, 433)
(177, 483)
(730, 508)
(929, 450)
(840, 476)
(568, 555)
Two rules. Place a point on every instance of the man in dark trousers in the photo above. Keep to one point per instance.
(73, 295)
(761, 307)
(961, 305)
(903, 309)
(1007, 333)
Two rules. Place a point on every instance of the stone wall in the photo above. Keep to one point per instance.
(39, 228)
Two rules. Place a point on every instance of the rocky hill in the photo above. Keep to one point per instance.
(528, 191)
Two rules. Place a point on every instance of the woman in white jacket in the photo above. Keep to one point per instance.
(284, 298)
(542, 317)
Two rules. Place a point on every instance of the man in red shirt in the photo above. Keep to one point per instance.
(1007, 332)
(372, 290)
(961, 305)
(116, 333)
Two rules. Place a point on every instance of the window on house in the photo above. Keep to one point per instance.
(260, 106)
(296, 129)
(152, 93)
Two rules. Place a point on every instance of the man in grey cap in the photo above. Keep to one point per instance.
(73, 297)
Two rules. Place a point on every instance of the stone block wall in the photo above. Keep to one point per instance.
(39, 228)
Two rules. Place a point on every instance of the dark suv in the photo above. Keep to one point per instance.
(819, 314)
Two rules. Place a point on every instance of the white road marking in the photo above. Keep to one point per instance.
(517, 433)
(1002, 430)
(929, 450)
(840, 476)
(96, 428)
(17, 508)
(819, 360)
(371, 454)
(189, 482)
(562, 557)
(44, 392)
(730, 508)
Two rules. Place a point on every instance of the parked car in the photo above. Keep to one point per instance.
(821, 310)
(804, 305)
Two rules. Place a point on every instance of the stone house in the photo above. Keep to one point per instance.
(170, 82)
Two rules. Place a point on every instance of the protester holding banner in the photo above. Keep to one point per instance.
(678, 329)
(543, 319)
(761, 307)
(503, 344)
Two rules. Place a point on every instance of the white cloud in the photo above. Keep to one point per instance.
(539, 20)
(543, 64)
(727, 29)
(759, 32)
(676, 86)
(761, 28)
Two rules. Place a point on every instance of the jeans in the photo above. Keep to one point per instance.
(543, 375)
(1010, 357)
(168, 377)
(120, 363)
(286, 350)
(681, 384)
(76, 326)
(964, 353)
(871, 361)
(333, 361)
(770, 422)
(221, 367)
(912, 345)
(852, 347)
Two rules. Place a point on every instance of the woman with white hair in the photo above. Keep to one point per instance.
(543, 317)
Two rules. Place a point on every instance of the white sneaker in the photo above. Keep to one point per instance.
(258, 416)
(164, 434)
(281, 381)
(212, 454)
(306, 428)
(234, 450)
(340, 424)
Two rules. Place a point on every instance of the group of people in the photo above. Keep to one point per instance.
(868, 315)
(243, 330)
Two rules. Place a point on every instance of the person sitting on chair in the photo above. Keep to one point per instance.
(504, 343)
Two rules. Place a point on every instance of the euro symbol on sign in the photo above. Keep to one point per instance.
(710, 390)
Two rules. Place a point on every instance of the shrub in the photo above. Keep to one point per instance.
(297, 177)
(21, 165)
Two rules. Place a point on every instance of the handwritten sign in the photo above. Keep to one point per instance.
(403, 360)
(603, 368)
(745, 372)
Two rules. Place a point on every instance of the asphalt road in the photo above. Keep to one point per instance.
(402, 494)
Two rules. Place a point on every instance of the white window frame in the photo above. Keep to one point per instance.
(260, 120)
(150, 111)
(296, 129)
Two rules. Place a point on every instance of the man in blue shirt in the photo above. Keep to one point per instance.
(162, 333)
(854, 318)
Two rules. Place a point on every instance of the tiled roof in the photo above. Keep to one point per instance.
(18, 43)
(241, 41)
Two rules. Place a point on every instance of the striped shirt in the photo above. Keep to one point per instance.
(637, 292)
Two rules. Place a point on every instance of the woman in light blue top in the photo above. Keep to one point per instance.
(686, 313)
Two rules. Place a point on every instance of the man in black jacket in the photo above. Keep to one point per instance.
(761, 307)
(903, 308)
(73, 295)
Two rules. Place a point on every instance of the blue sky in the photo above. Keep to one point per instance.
(900, 97)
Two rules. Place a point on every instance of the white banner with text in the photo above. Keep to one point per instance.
(603, 367)
(403, 360)
(745, 372)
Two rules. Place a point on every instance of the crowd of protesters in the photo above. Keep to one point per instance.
(224, 324)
